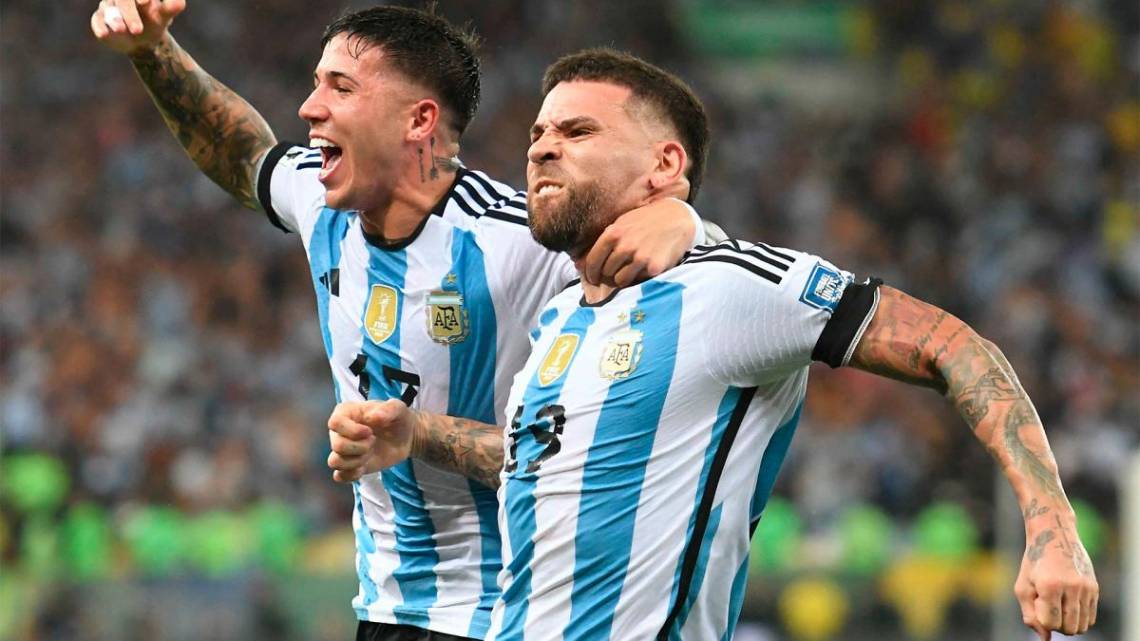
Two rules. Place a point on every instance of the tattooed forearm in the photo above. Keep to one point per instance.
(974, 400)
(911, 341)
(1040, 469)
(220, 131)
(467, 447)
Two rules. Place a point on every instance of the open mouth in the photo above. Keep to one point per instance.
(546, 188)
(330, 156)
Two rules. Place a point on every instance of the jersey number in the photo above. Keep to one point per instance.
(548, 437)
(358, 369)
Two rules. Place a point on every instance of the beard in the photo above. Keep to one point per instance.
(572, 224)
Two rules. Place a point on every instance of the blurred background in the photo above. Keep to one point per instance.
(163, 388)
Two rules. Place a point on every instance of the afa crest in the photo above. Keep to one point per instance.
(447, 321)
(621, 354)
(381, 314)
(557, 359)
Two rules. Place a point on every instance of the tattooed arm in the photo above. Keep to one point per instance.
(221, 132)
(466, 447)
(370, 436)
(917, 343)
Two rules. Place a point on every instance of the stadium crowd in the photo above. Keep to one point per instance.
(159, 345)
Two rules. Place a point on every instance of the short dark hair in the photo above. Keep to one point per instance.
(664, 91)
(423, 47)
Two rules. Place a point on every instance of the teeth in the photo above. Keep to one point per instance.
(320, 142)
(545, 189)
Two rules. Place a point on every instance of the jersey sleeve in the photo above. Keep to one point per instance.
(775, 310)
(528, 274)
(288, 188)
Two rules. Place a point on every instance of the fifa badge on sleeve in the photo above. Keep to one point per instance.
(824, 288)
(447, 321)
(621, 354)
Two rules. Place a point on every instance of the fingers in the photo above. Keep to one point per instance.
(1047, 605)
(98, 25)
(1025, 597)
(1070, 613)
(349, 457)
(628, 275)
(350, 447)
(1084, 608)
(347, 421)
(341, 476)
(379, 414)
(1094, 599)
(598, 256)
(130, 14)
(112, 18)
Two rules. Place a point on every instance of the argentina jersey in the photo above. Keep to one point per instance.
(645, 436)
(440, 320)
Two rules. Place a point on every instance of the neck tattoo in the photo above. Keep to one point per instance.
(434, 171)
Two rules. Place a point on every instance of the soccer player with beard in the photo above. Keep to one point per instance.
(426, 275)
(650, 421)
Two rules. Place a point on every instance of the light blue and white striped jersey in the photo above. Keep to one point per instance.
(645, 438)
(442, 320)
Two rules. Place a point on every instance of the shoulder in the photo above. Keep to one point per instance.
(482, 201)
(742, 259)
(292, 157)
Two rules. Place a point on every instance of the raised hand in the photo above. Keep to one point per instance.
(130, 26)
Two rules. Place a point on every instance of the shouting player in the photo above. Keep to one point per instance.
(426, 275)
(650, 421)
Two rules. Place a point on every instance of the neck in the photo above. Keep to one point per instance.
(591, 292)
(423, 183)
(596, 293)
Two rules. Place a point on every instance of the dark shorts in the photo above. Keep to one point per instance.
(370, 631)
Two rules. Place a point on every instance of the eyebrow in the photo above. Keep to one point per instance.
(336, 75)
(569, 123)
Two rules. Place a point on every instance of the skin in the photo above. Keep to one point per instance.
(907, 340)
(398, 146)
(914, 342)
(584, 126)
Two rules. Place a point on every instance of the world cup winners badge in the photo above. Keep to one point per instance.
(621, 354)
(447, 321)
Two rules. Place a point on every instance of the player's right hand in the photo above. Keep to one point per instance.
(368, 436)
(131, 26)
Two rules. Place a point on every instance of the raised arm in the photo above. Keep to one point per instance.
(369, 436)
(917, 343)
(221, 132)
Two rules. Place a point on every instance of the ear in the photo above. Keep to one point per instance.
(670, 169)
(425, 119)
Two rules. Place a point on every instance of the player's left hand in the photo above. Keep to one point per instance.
(640, 244)
(1056, 587)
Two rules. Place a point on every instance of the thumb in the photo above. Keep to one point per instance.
(381, 414)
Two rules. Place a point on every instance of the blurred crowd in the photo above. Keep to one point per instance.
(159, 346)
